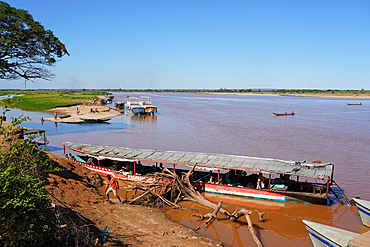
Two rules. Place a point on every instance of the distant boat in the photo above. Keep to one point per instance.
(95, 120)
(109, 96)
(284, 114)
(354, 103)
(120, 106)
(323, 235)
(364, 210)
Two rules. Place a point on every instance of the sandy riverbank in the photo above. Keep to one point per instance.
(71, 115)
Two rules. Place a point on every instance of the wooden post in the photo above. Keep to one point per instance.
(134, 168)
(327, 187)
(174, 170)
(64, 149)
(269, 181)
(218, 177)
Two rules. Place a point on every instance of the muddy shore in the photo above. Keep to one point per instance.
(76, 188)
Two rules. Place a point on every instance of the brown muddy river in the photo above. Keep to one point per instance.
(325, 129)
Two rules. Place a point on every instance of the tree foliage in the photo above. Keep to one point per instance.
(26, 48)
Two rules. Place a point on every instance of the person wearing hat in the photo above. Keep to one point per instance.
(112, 186)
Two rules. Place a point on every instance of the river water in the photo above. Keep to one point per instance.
(325, 129)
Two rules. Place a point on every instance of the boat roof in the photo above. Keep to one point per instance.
(209, 160)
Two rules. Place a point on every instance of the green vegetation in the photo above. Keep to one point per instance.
(40, 100)
(26, 48)
(25, 215)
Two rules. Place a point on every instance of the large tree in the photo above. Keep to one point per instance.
(26, 48)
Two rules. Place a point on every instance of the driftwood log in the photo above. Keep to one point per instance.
(166, 188)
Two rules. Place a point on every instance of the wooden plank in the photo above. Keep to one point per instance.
(187, 158)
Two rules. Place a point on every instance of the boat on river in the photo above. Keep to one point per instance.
(364, 210)
(323, 235)
(284, 114)
(354, 103)
(244, 176)
(109, 96)
(95, 120)
(120, 106)
(140, 105)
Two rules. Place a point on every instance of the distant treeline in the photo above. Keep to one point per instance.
(226, 90)
(221, 90)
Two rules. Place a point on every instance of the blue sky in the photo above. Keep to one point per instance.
(323, 44)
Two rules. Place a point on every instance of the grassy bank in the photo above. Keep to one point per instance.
(42, 100)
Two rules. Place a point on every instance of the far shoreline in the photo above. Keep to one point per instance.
(297, 95)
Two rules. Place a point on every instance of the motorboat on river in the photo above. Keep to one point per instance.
(271, 179)
(284, 114)
(140, 105)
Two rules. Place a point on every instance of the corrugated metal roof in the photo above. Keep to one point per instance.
(220, 161)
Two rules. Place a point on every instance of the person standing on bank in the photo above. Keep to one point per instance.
(112, 186)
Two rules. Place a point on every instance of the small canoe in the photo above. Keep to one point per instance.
(364, 210)
(64, 116)
(95, 120)
(323, 235)
(284, 114)
(354, 104)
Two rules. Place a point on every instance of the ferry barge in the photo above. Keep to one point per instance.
(262, 178)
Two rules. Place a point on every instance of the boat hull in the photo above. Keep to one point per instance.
(107, 171)
(150, 109)
(364, 210)
(323, 235)
(93, 120)
(241, 191)
(283, 114)
(136, 110)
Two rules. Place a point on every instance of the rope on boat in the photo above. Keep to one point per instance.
(343, 195)
(105, 234)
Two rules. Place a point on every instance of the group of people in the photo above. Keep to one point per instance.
(240, 178)
(93, 111)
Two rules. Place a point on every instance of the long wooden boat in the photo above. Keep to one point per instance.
(95, 120)
(354, 103)
(364, 210)
(284, 114)
(244, 176)
(323, 235)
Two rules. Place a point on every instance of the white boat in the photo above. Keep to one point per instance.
(140, 105)
(364, 210)
(323, 235)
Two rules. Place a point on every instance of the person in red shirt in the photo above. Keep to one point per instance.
(112, 186)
